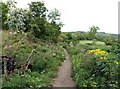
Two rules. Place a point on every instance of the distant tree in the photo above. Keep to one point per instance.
(93, 31)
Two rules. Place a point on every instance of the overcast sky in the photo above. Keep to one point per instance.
(79, 15)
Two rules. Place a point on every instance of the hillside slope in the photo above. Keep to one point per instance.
(45, 60)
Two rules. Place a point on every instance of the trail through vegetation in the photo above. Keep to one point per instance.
(95, 56)
(63, 78)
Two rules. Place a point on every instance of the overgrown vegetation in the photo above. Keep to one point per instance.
(29, 37)
(36, 20)
(95, 63)
(33, 37)
(45, 61)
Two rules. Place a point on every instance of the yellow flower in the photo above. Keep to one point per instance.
(98, 52)
(116, 62)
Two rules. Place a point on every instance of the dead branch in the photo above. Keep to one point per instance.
(28, 61)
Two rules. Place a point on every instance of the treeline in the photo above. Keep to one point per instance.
(92, 34)
(36, 20)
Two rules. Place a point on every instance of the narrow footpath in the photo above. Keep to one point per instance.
(63, 78)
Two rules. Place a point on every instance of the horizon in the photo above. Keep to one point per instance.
(97, 32)
(79, 15)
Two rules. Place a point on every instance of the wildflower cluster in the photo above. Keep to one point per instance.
(98, 52)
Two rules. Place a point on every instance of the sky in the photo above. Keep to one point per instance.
(79, 15)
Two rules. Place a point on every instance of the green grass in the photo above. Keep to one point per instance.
(90, 42)
(100, 43)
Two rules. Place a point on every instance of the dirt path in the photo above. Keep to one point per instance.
(63, 78)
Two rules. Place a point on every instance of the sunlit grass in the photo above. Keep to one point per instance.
(90, 42)
(100, 43)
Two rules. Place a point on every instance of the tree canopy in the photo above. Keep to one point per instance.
(36, 19)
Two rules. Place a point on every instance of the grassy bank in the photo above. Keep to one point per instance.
(45, 60)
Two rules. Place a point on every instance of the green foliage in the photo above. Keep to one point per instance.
(108, 41)
(93, 31)
(45, 60)
(4, 9)
(91, 70)
(38, 11)
(27, 80)
(19, 20)
(35, 20)
(27, 25)
(54, 16)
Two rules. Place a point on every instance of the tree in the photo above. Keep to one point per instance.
(36, 20)
(39, 12)
(19, 20)
(4, 8)
(93, 31)
(54, 16)
(53, 27)
(38, 9)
